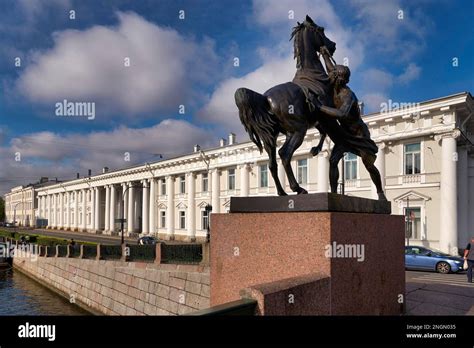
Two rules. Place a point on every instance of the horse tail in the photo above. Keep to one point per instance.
(254, 115)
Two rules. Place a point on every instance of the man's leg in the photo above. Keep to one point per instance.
(470, 265)
(369, 163)
(336, 154)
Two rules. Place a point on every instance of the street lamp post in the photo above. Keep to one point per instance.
(14, 215)
(208, 207)
(122, 220)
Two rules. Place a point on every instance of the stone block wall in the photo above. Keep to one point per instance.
(123, 288)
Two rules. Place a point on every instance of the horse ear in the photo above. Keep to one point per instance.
(308, 19)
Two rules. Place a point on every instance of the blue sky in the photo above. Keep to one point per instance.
(403, 56)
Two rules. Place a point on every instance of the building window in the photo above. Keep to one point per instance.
(163, 187)
(182, 184)
(302, 171)
(231, 179)
(412, 159)
(413, 222)
(350, 166)
(162, 219)
(205, 219)
(205, 182)
(263, 175)
(182, 219)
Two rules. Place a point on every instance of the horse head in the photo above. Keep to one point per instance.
(316, 34)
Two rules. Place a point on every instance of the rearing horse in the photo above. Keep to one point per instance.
(284, 108)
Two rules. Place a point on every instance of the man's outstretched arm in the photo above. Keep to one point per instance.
(342, 112)
(327, 59)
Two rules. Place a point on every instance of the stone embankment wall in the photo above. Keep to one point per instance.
(122, 288)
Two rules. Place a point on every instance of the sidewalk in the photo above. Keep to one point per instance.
(439, 299)
(79, 236)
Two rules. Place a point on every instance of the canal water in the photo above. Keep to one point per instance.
(20, 295)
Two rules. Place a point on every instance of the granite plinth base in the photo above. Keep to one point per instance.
(362, 255)
(328, 202)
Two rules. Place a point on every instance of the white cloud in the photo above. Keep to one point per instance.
(376, 85)
(32, 9)
(221, 108)
(278, 65)
(88, 65)
(376, 79)
(62, 155)
(372, 101)
(412, 72)
(390, 27)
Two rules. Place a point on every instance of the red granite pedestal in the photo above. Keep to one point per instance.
(365, 275)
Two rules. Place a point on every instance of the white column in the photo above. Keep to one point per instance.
(130, 214)
(43, 207)
(51, 210)
(55, 210)
(463, 197)
(448, 200)
(151, 213)
(281, 174)
(380, 164)
(84, 210)
(124, 204)
(61, 210)
(323, 171)
(96, 209)
(191, 217)
(93, 228)
(170, 211)
(471, 192)
(112, 205)
(145, 208)
(244, 180)
(81, 226)
(216, 191)
(68, 211)
(40, 206)
(107, 209)
(50, 216)
(76, 210)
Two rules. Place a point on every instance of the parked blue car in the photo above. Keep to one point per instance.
(421, 258)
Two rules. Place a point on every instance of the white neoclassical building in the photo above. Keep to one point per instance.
(21, 203)
(426, 159)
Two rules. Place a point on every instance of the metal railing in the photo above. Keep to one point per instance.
(160, 253)
(142, 252)
(181, 253)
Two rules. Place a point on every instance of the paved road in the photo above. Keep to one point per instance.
(78, 236)
(456, 279)
(430, 293)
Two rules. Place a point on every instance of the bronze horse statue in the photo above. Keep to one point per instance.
(285, 109)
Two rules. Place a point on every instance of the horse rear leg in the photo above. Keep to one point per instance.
(292, 143)
(273, 166)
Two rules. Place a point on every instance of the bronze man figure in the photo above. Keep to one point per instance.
(357, 139)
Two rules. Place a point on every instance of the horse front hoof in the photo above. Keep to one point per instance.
(282, 193)
(382, 196)
(302, 191)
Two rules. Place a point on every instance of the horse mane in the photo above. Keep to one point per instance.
(295, 36)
